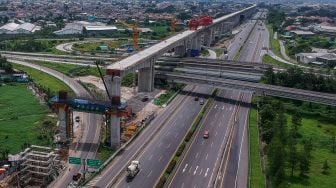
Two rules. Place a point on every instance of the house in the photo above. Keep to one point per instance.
(302, 33)
(324, 29)
(317, 58)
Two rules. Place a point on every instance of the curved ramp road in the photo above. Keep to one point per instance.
(88, 144)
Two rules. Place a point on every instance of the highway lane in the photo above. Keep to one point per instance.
(156, 156)
(117, 167)
(200, 163)
(91, 126)
(236, 169)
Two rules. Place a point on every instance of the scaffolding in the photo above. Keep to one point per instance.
(38, 166)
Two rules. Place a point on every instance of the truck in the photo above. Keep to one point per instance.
(133, 169)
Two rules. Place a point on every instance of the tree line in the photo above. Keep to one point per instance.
(294, 77)
(284, 147)
(5, 65)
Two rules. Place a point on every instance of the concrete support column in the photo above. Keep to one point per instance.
(62, 124)
(115, 131)
(65, 121)
(196, 43)
(113, 84)
(209, 37)
(180, 51)
(146, 79)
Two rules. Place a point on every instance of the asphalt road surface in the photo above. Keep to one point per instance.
(156, 144)
(218, 161)
(200, 164)
(236, 171)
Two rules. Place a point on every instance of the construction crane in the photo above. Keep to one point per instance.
(173, 24)
(136, 31)
(200, 21)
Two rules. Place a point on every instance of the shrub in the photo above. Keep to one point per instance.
(171, 166)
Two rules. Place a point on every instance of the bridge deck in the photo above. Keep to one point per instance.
(162, 47)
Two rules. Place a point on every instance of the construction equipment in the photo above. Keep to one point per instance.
(133, 169)
(173, 24)
(200, 21)
(136, 31)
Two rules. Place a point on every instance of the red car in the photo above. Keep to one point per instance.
(206, 134)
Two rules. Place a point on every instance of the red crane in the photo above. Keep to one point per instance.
(200, 21)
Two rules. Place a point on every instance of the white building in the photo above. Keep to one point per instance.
(78, 26)
(70, 29)
(13, 28)
(325, 29)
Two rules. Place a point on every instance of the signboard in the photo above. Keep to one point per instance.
(94, 163)
(75, 160)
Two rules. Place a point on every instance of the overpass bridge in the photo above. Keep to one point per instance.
(257, 88)
(144, 61)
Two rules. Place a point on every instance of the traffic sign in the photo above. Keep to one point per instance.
(93, 163)
(75, 160)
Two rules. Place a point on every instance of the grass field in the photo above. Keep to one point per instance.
(273, 42)
(70, 69)
(92, 46)
(267, 59)
(45, 80)
(321, 133)
(256, 176)
(316, 127)
(20, 116)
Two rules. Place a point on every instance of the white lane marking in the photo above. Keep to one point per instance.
(215, 106)
(216, 133)
(201, 171)
(182, 185)
(206, 157)
(149, 174)
(230, 108)
(168, 146)
(195, 170)
(240, 151)
(196, 156)
(206, 173)
(176, 135)
(150, 157)
(223, 107)
(160, 158)
(211, 144)
(185, 167)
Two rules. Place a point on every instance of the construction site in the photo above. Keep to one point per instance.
(36, 166)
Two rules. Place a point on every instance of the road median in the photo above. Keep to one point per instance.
(185, 144)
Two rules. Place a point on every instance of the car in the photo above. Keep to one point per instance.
(196, 98)
(77, 119)
(201, 102)
(206, 134)
(145, 98)
(76, 177)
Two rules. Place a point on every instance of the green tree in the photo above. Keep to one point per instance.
(333, 143)
(325, 167)
(276, 155)
(293, 158)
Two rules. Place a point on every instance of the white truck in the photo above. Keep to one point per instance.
(133, 169)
